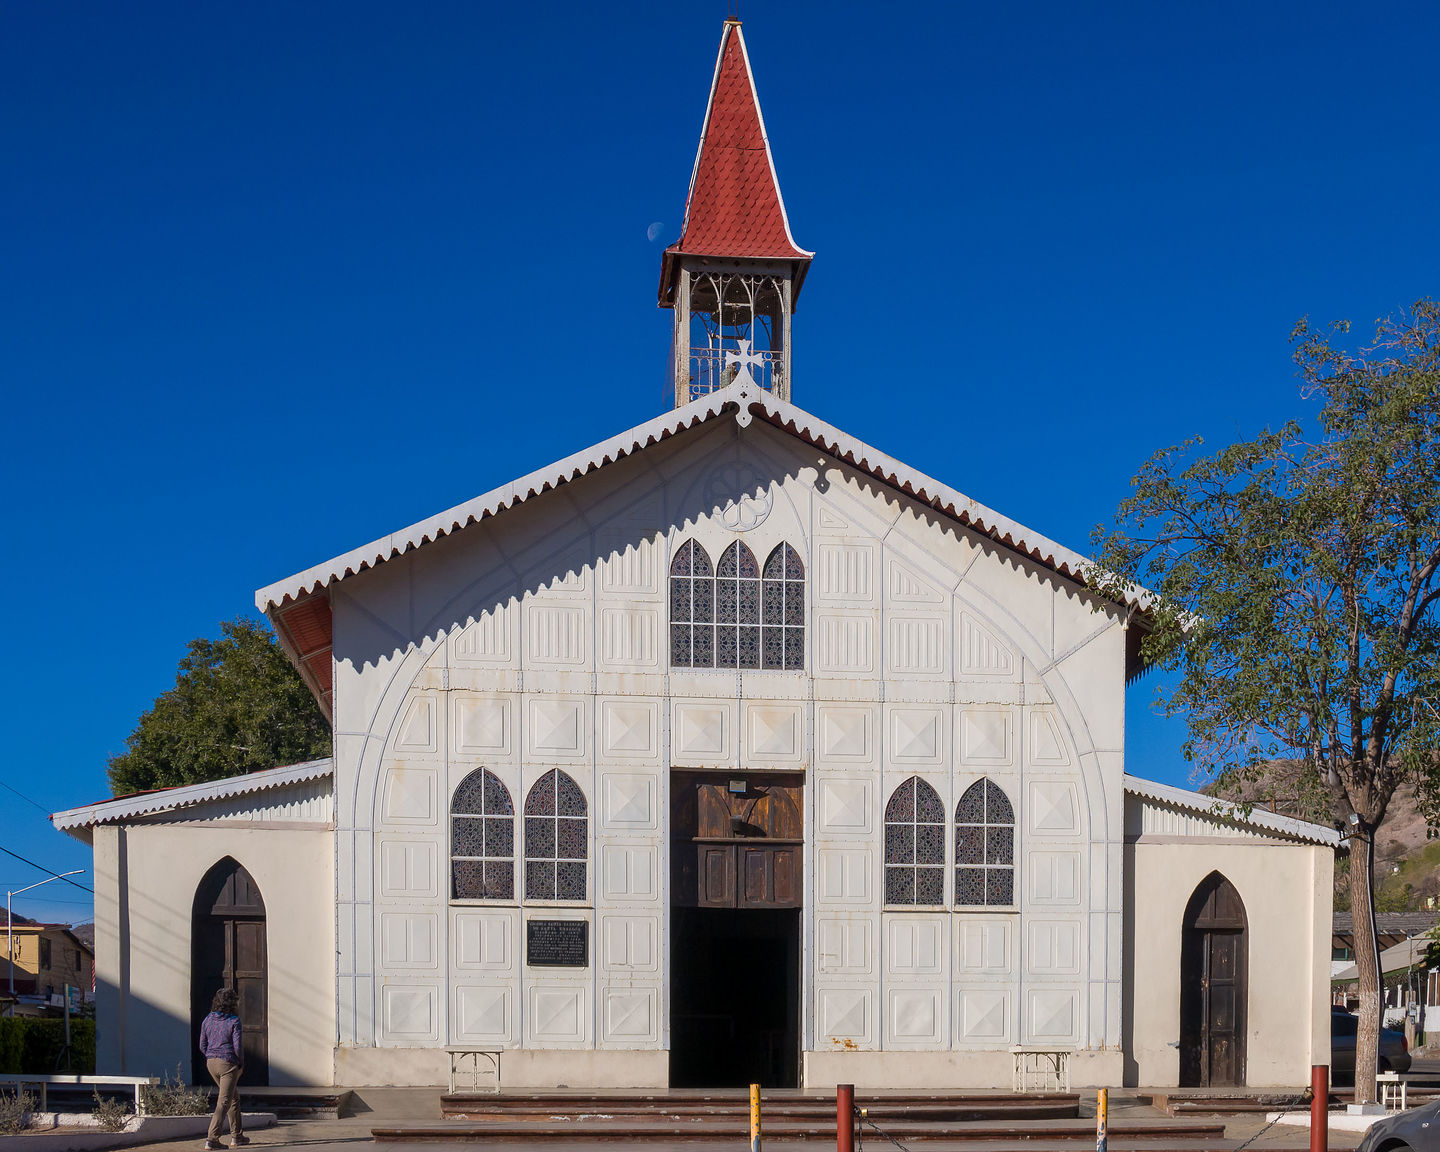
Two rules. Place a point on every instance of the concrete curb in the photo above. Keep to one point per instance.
(78, 1132)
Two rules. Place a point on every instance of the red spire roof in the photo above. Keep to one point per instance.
(734, 206)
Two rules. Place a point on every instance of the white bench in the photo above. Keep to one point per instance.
(457, 1061)
(1392, 1091)
(1040, 1069)
(137, 1082)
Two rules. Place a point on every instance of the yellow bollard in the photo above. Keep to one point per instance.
(1102, 1110)
(754, 1118)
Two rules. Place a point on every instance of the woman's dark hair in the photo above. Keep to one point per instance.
(225, 1001)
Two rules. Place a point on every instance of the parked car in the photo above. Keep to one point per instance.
(1414, 1130)
(1394, 1053)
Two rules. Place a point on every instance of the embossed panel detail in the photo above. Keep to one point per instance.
(844, 946)
(484, 941)
(985, 736)
(407, 868)
(557, 1013)
(630, 942)
(555, 727)
(630, 1014)
(408, 1013)
(831, 519)
(1054, 946)
(1052, 1014)
(630, 564)
(555, 634)
(1046, 746)
(916, 645)
(844, 875)
(702, 731)
(982, 946)
(481, 724)
(844, 733)
(409, 795)
(407, 940)
(628, 872)
(984, 1015)
(843, 643)
(417, 730)
(914, 946)
(844, 806)
(982, 653)
(630, 637)
(913, 1016)
(482, 1015)
(773, 732)
(844, 571)
(484, 641)
(628, 729)
(629, 800)
(915, 735)
(845, 1014)
(908, 588)
(1054, 807)
(1055, 878)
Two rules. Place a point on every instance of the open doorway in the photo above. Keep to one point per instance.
(735, 997)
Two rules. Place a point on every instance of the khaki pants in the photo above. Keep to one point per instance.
(227, 1100)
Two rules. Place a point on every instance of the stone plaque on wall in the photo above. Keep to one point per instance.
(557, 943)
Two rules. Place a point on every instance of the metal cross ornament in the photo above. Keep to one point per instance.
(745, 359)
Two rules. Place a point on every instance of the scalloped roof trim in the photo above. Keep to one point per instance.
(1229, 810)
(737, 398)
(188, 795)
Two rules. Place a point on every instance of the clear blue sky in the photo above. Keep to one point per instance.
(278, 278)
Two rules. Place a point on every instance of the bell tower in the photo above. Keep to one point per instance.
(734, 275)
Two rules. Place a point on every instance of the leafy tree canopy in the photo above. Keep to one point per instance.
(1295, 583)
(238, 705)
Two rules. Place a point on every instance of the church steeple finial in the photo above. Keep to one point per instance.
(736, 270)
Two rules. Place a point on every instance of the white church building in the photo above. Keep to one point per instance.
(728, 749)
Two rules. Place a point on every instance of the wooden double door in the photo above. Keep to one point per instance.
(1213, 986)
(228, 950)
(737, 839)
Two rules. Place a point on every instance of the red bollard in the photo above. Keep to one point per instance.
(844, 1118)
(1319, 1108)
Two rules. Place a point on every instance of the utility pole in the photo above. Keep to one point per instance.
(10, 924)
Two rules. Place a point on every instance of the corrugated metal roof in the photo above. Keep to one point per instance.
(1229, 810)
(744, 401)
(186, 795)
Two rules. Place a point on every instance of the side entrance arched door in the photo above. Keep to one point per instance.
(1213, 992)
(227, 934)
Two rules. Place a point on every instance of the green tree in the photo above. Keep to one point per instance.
(237, 705)
(1292, 595)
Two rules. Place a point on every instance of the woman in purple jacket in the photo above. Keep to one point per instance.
(225, 1059)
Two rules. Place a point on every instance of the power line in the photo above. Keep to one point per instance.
(53, 875)
(23, 797)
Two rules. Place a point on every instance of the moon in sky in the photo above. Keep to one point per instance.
(654, 229)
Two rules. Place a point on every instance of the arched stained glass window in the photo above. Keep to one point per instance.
(692, 608)
(782, 610)
(914, 845)
(555, 839)
(482, 839)
(984, 847)
(737, 608)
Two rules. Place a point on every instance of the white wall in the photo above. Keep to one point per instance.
(146, 876)
(538, 639)
(1287, 892)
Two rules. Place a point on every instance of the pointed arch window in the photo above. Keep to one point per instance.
(737, 608)
(692, 608)
(914, 845)
(984, 847)
(555, 839)
(482, 839)
(782, 618)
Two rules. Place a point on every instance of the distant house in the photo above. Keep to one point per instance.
(1409, 965)
(44, 958)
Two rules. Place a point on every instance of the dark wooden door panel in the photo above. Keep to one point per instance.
(1213, 987)
(717, 876)
(724, 829)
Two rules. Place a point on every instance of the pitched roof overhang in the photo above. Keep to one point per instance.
(733, 208)
(298, 606)
(1258, 818)
(123, 808)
